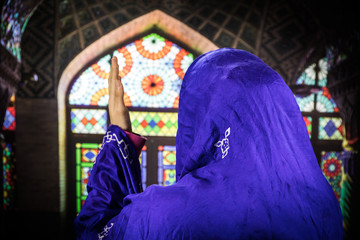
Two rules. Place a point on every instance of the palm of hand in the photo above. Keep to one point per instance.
(118, 112)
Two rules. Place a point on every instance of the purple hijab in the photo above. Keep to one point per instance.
(245, 166)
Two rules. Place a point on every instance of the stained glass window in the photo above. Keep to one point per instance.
(330, 128)
(308, 122)
(322, 72)
(9, 121)
(331, 165)
(314, 104)
(142, 160)
(91, 88)
(316, 74)
(88, 121)
(152, 69)
(14, 18)
(154, 123)
(308, 76)
(8, 161)
(324, 102)
(323, 122)
(85, 157)
(166, 163)
(306, 104)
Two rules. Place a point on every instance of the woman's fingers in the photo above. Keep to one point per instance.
(114, 73)
(118, 112)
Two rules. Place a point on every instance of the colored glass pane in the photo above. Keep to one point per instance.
(323, 72)
(9, 121)
(91, 88)
(308, 76)
(306, 104)
(166, 165)
(324, 102)
(142, 160)
(151, 68)
(330, 128)
(308, 123)
(85, 157)
(8, 161)
(331, 165)
(15, 15)
(154, 123)
(92, 121)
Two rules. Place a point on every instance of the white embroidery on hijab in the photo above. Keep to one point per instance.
(105, 232)
(224, 143)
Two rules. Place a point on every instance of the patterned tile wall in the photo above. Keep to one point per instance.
(270, 29)
(38, 53)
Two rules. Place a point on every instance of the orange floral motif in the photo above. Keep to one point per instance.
(150, 55)
(101, 73)
(177, 63)
(105, 91)
(128, 62)
(127, 100)
(98, 95)
(176, 102)
(152, 85)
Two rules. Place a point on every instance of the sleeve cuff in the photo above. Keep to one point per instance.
(137, 140)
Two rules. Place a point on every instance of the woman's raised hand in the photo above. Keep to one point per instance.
(119, 114)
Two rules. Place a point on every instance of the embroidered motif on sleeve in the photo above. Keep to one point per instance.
(123, 147)
(105, 232)
(224, 143)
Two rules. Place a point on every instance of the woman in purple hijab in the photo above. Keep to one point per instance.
(245, 165)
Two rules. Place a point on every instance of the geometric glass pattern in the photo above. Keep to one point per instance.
(306, 104)
(92, 121)
(324, 102)
(154, 123)
(308, 76)
(330, 128)
(323, 72)
(166, 165)
(14, 18)
(331, 166)
(85, 157)
(152, 69)
(91, 88)
(142, 160)
(9, 121)
(9, 177)
(308, 120)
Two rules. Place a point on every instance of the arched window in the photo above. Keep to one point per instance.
(152, 69)
(323, 122)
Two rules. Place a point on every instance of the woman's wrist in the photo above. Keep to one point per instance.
(121, 118)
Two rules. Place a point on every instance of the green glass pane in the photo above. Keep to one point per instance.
(154, 123)
(88, 121)
(85, 156)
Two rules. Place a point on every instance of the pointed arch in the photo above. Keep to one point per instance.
(157, 19)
